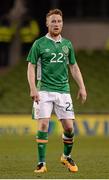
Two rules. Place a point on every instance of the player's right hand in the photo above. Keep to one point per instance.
(35, 95)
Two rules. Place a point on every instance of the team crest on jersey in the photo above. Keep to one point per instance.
(65, 49)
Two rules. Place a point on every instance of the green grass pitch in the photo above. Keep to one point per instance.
(18, 158)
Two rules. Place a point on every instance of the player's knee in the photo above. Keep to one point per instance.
(69, 130)
(43, 125)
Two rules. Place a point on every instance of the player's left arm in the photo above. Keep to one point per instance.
(77, 76)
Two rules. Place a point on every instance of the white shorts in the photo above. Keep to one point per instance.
(60, 103)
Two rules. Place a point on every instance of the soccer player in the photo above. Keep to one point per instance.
(52, 54)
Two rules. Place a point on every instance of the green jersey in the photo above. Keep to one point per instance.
(52, 59)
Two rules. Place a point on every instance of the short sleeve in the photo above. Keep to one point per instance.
(72, 59)
(33, 53)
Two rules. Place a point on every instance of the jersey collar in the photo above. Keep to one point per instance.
(59, 40)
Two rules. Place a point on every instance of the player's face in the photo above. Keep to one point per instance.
(54, 24)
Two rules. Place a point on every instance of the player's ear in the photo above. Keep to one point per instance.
(47, 23)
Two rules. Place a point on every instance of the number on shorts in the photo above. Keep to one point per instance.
(69, 106)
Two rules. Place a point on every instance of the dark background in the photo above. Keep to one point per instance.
(72, 9)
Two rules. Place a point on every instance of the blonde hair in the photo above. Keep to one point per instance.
(54, 11)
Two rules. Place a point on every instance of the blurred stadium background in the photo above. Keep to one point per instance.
(86, 24)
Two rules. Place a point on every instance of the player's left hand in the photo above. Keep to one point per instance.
(82, 94)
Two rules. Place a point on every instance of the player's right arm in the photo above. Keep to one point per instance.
(31, 80)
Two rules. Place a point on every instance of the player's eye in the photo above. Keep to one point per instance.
(59, 21)
(53, 21)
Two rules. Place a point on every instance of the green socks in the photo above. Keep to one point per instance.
(68, 142)
(42, 139)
